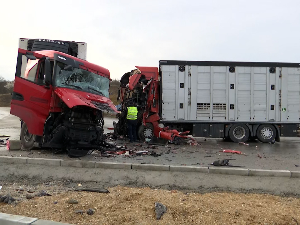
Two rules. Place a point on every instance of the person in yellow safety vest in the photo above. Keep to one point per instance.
(132, 112)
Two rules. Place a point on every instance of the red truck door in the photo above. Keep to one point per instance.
(31, 97)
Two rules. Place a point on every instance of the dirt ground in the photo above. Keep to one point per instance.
(128, 205)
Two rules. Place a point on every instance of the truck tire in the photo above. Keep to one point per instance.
(27, 139)
(146, 133)
(239, 133)
(266, 133)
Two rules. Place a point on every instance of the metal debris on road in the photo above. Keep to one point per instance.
(243, 143)
(223, 162)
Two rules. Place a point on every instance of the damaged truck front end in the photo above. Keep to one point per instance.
(60, 100)
(142, 86)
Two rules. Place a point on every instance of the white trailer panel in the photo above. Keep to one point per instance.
(230, 91)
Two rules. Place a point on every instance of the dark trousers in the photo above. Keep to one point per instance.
(131, 126)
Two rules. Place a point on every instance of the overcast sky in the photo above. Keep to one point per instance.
(123, 34)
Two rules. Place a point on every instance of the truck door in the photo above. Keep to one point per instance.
(31, 96)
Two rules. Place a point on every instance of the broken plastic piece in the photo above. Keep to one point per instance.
(232, 151)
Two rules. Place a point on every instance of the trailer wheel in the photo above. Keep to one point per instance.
(27, 139)
(146, 133)
(266, 133)
(239, 133)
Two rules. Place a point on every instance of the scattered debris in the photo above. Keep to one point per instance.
(144, 152)
(259, 156)
(72, 201)
(232, 151)
(29, 196)
(7, 199)
(79, 211)
(42, 193)
(272, 142)
(224, 162)
(90, 211)
(98, 190)
(160, 209)
(243, 143)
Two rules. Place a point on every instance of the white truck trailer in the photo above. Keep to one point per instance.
(235, 100)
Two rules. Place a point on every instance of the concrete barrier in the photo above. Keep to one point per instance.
(153, 167)
(229, 171)
(13, 160)
(270, 173)
(78, 163)
(295, 174)
(47, 222)
(111, 165)
(9, 219)
(189, 169)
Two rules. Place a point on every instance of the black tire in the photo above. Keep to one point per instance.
(239, 133)
(27, 139)
(266, 133)
(146, 133)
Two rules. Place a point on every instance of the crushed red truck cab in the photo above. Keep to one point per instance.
(141, 86)
(59, 97)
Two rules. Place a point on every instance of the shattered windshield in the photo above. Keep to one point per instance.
(80, 79)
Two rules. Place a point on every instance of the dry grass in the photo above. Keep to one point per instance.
(5, 100)
(125, 205)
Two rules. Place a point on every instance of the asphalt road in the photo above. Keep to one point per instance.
(279, 156)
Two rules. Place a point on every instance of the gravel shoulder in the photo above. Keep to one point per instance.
(129, 205)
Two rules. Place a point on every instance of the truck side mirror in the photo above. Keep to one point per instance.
(48, 71)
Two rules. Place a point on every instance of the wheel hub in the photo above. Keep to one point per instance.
(239, 132)
(148, 133)
(266, 133)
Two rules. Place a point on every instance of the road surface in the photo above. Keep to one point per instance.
(284, 155)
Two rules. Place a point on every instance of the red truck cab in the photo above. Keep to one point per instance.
(60, 99)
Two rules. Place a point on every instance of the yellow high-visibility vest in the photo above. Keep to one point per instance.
(132, 113)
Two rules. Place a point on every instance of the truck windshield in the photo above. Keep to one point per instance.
(80, 79)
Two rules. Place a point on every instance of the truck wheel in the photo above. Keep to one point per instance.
(27, 139)
(146, 133)
(266, 133)
(239, 133)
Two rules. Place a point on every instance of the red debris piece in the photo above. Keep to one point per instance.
(120, 152)
(7, 145)
(231, 151)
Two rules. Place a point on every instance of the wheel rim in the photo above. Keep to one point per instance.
(27, 136)
(239, 132)
(148, 133)
(266, 133)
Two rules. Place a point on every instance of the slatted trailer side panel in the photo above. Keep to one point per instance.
(207, 94)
